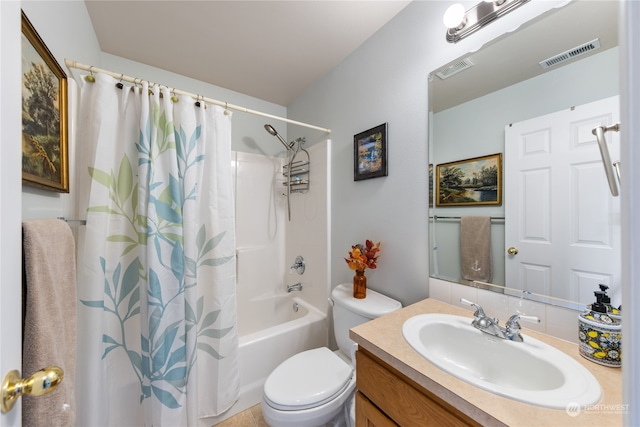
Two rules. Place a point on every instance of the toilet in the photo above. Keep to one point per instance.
(316, 387)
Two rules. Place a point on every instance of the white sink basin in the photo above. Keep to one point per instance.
(531, 371)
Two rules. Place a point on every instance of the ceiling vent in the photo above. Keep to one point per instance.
(454, 68)
(571, 53)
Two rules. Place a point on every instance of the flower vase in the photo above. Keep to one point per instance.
(359, 285)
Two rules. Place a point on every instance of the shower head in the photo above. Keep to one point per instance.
(275, 133)
(270, 129)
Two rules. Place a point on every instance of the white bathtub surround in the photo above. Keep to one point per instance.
(158, 278)
(556, 321)
(267, 243)
(270, 330)
(308, 232)
(260, 225)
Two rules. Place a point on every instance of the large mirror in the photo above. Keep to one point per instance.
(474, 102)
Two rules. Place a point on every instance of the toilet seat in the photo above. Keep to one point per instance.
(307, 380)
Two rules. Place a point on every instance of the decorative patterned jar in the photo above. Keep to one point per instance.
(600, 338)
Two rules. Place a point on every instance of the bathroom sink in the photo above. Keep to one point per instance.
(531, 371)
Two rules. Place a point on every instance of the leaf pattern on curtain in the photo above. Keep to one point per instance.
(151, 276)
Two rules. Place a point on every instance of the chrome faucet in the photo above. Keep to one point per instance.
(512, 327)
(296, 287)
(491, 326)
(298, 265)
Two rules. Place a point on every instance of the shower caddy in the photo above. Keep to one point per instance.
(296, 172)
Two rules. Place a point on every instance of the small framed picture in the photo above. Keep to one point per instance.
(476, 181)
(370, 153)
(44, 115)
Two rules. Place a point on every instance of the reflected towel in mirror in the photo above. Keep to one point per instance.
(475, 248)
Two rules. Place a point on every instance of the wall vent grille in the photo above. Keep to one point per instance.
(454, 68)
(570, 54)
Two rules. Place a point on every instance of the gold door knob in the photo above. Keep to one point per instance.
(42, 382)
(512, 251)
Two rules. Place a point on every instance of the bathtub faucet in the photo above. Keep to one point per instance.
(296, 287)
(298, 265)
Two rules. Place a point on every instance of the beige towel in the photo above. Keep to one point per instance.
(49, 332)
(475, 248)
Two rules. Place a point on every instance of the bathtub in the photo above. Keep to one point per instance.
(271, 329)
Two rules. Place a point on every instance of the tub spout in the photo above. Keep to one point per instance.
(296, 287)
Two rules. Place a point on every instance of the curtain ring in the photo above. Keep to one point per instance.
(119, 85)
(90, 78)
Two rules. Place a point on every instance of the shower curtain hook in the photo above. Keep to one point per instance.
(174, 98)
(226, 109)
(90, 78)
(119, 85)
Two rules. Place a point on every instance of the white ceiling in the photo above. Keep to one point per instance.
(272, 50)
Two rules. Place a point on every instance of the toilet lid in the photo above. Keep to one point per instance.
(307, 379)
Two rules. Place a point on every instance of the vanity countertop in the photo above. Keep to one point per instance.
(383, 338)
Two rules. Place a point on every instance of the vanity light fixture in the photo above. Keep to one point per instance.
(454, 17)
(461, 24)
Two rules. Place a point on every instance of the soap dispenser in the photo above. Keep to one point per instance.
(600, 331)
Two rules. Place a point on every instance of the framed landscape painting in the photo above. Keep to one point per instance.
(370, 153)
(470, 182)
(44, 115)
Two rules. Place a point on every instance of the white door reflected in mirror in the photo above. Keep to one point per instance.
(559, 211)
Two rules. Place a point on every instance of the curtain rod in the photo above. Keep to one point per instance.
(90, 68)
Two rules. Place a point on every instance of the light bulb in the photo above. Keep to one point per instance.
(454, 16)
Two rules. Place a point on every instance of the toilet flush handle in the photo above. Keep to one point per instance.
(354, 348)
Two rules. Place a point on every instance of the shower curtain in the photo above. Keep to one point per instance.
(158, 339)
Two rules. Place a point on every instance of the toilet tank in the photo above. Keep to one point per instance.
(349, 312)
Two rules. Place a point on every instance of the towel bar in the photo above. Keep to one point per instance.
(73, 221)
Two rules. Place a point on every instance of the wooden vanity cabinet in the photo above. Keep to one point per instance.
(386, 397)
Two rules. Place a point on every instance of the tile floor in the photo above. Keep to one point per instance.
(252, 417)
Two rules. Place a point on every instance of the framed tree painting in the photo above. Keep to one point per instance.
(370, 153)
(44, 115)
(469, 182)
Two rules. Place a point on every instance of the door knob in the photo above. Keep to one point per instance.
(41, 382)
(512, 251)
